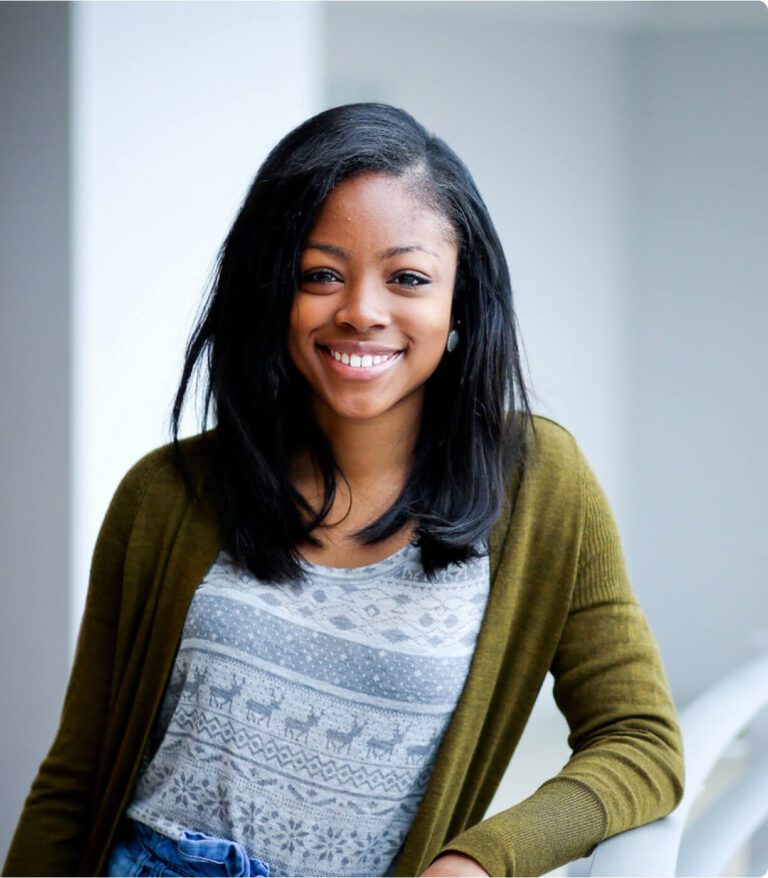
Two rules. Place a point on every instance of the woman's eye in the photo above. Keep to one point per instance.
(409, 279)
(320, 276)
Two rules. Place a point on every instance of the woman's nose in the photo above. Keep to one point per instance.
(364, 307)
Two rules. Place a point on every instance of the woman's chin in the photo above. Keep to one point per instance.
(358, 412)
(372, 406)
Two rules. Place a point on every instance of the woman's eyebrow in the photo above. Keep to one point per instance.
(386, 254)
(326, 248)
(398, 251)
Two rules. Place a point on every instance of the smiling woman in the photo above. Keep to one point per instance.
(315, 632)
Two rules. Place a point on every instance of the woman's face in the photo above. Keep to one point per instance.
(371, 315)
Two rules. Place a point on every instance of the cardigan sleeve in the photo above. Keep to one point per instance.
(54, 822)
(626, 767)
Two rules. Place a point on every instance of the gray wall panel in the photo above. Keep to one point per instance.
(34, 369)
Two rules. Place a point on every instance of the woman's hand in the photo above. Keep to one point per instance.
(455, 865)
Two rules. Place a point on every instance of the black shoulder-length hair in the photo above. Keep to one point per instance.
(476, 416)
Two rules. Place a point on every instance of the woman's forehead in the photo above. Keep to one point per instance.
(381, 206)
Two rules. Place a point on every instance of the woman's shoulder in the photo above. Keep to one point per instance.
(545, 508)
(161, 462)
(158, 473)
(553, 433)
(553, 472)
(559, 478)
(553, 451)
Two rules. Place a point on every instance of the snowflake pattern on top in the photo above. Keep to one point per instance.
(303, 721)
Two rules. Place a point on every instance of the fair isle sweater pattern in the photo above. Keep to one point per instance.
(303, 721)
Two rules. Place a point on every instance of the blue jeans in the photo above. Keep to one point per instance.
(140, 850)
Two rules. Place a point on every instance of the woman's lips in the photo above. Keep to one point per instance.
(359, 366)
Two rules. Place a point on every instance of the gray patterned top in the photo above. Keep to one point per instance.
(303, 721)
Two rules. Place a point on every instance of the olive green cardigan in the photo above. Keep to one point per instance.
(559, 601)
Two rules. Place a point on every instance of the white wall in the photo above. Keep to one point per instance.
(699, 357)
(175, 106)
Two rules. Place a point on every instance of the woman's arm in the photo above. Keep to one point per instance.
(626, 767)
(54, 824)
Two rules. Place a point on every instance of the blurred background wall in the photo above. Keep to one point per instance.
(620, 149)
(36, 419)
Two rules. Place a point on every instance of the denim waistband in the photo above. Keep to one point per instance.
(205, 854)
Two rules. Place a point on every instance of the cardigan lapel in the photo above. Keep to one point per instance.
(426, 835)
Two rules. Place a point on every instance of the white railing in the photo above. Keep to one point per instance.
(709, 725)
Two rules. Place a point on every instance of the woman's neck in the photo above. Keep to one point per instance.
(375, 450)
(375, 455)
(375, 458)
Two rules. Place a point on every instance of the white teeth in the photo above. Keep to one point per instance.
(360, 362)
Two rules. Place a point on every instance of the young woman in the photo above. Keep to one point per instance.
(315, 632)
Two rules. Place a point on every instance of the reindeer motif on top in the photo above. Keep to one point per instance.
(219, 696)
(381, 747)
(417, 752)
(339, 740)
(295, 728)
(260, 711)
(192, 687)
